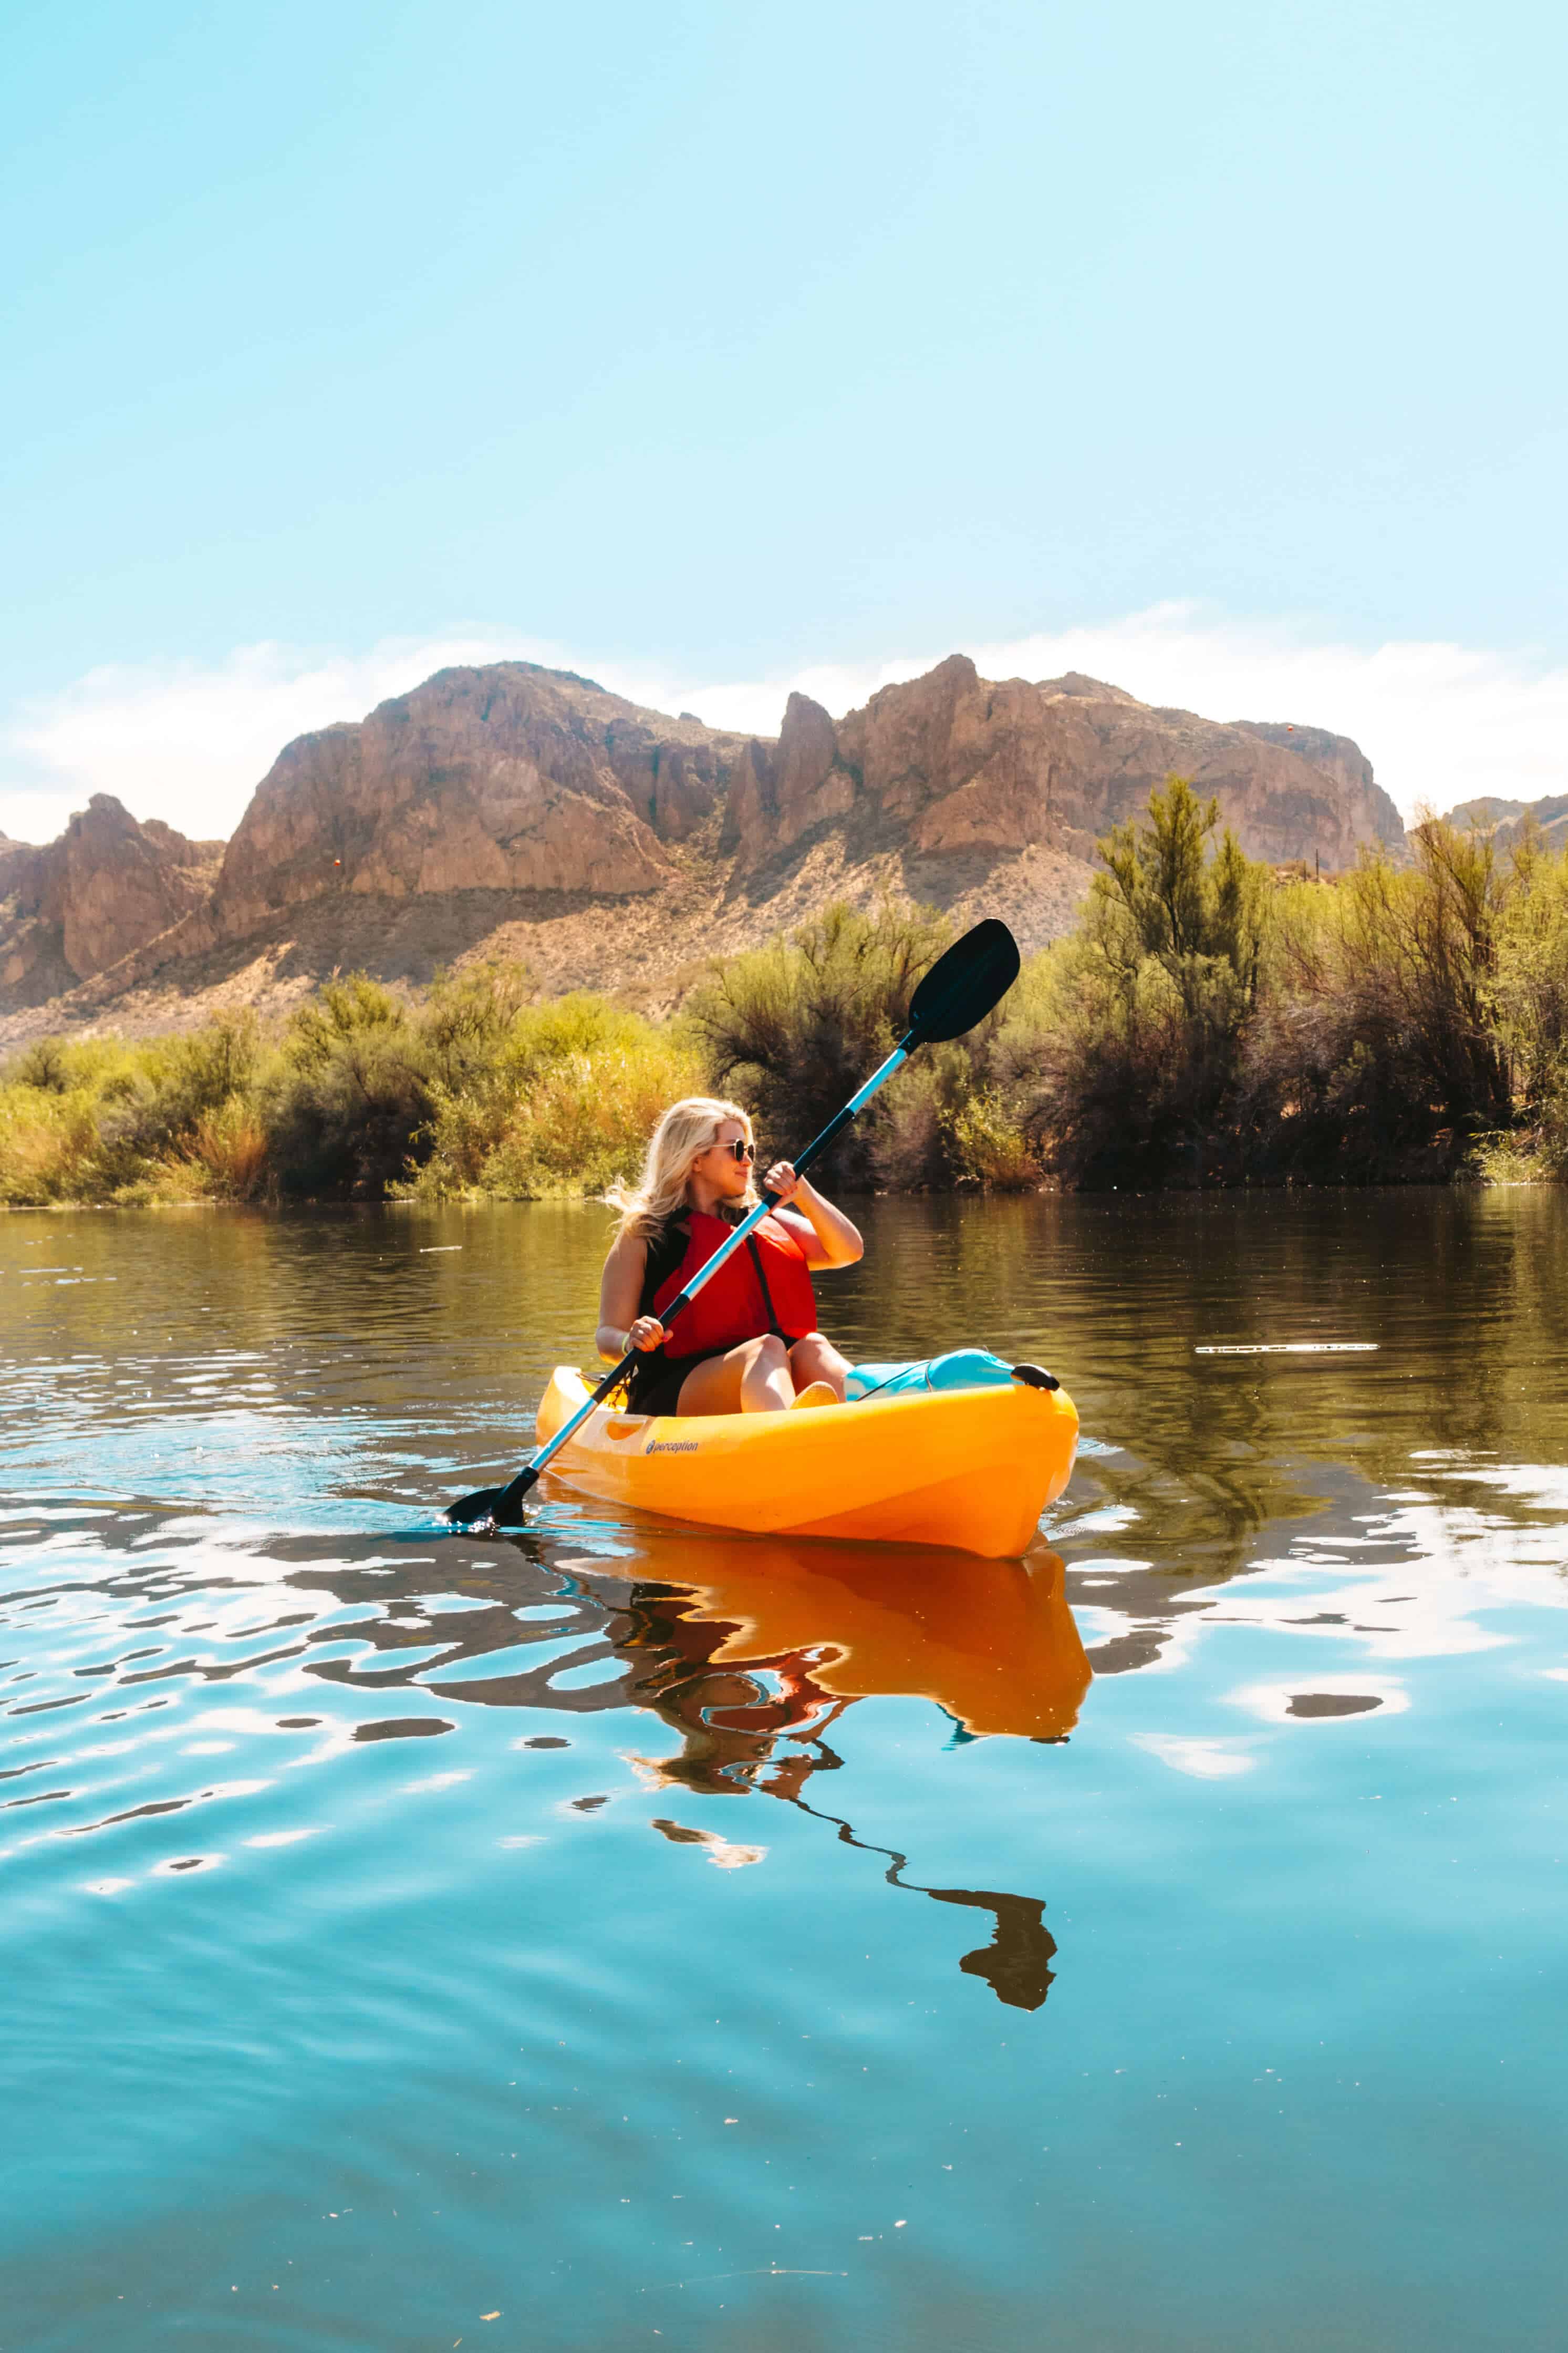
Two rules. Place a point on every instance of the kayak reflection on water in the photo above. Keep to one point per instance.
(749, 1648)
(993, 1642)
(772, 1643)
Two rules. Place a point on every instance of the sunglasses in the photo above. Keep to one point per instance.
(740, 1150)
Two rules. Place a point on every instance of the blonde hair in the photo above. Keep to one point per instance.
(687, 1129)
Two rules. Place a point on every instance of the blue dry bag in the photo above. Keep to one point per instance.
(961, 1368)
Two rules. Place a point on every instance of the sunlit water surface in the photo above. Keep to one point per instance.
(616, 1933)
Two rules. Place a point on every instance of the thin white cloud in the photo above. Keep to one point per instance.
(1441, 723)
(190, 743)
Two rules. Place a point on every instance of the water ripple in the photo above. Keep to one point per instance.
(622, 1928)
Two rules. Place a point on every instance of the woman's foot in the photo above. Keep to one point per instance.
(816, 1393)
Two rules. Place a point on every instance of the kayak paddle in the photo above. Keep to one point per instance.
(962, 987)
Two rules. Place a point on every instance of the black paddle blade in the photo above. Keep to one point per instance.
(494, 1507)
(963, 984)
(477, 1510)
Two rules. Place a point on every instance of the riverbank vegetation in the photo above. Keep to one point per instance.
(1211, 1021)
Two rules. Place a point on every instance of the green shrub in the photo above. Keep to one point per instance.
(1378, 1055)
(794, 1028)
(225, 1156)
(351, 1094)
(562, 1099)
(1528, 996)
(48, 1147)
(906, 1144)
(1140, 1020)
(991, 1145)
(150, 1113)
(99, 1118)
(1535, 1152)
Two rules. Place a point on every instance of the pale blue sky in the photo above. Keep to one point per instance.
(722, 341)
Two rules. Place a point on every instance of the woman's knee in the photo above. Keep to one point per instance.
(815, 1359)
(769, 1352)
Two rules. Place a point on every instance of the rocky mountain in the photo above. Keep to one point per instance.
(507, 778)
(1509, 821)
(513, 810)
(106, 887)
(953, 764)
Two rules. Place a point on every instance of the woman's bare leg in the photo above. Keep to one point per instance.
(752, 1379)
(816, 1359)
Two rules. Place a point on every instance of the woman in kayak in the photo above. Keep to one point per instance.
(749, 1342)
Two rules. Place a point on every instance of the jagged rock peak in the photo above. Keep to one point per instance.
(953, 765)
(107, 886)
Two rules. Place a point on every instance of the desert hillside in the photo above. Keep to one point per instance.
(521, 811)
(1508, 822)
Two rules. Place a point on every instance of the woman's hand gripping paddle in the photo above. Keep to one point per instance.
(958, 990)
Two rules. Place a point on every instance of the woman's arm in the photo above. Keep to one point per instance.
(620, 1325)
(824, 1233)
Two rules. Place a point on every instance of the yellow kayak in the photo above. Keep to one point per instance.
(969, 1469)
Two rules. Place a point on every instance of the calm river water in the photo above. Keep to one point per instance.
(617, 1934)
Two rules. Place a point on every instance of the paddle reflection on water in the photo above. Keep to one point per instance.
(772, 1643)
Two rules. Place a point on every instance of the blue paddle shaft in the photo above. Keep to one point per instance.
(725, 1251)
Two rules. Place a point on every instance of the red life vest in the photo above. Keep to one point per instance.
(764, 1287)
